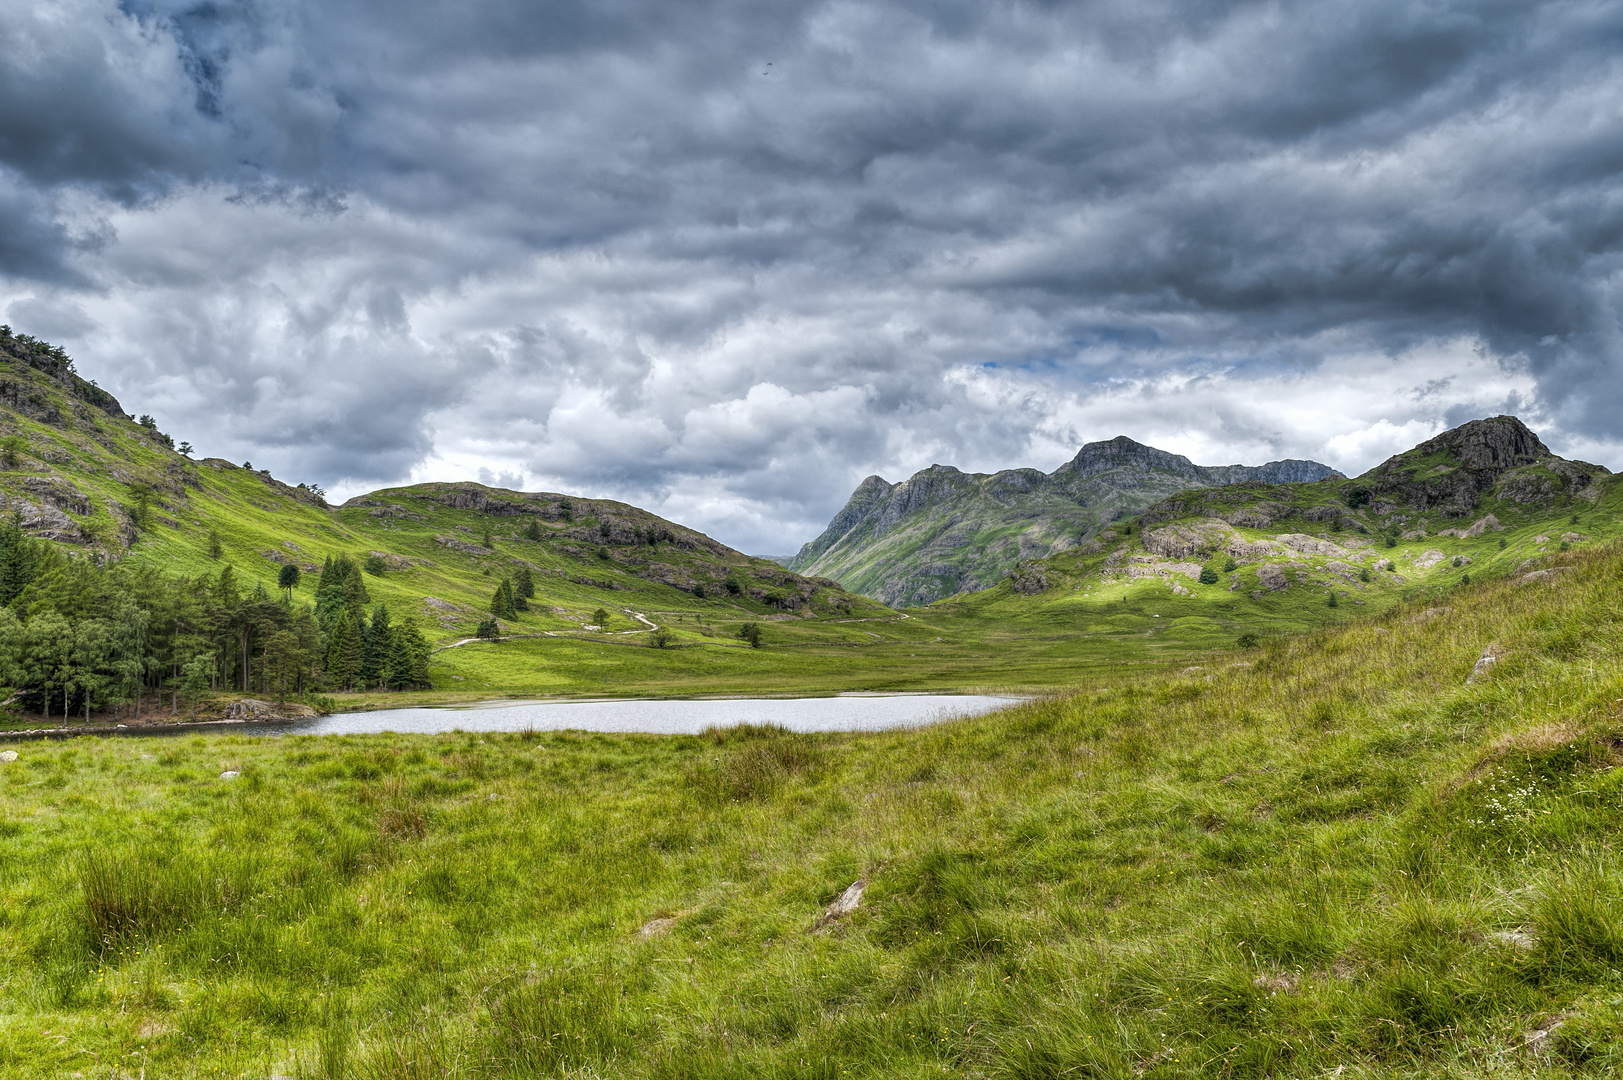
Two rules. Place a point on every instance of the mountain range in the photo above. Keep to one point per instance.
(1486, 499)
(942, 531)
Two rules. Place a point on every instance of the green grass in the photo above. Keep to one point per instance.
(1340, 857)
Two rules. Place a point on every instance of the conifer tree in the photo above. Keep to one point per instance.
(344, 651)
(376, 639)
(532, 531)
(501, 603)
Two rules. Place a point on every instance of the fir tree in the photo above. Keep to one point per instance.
(532, 531)
(376, 640)
(501, 603)
(345, 651)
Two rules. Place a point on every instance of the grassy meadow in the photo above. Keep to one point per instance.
(1329, 856)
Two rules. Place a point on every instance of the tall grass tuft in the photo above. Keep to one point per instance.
(561, 1020)
(758, 760)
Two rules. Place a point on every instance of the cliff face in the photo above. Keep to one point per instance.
(943, 531)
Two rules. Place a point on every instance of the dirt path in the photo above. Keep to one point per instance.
(647, 625)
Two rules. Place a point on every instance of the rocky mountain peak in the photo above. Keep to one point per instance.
(943, 531)
(1455, 470)
(1122, 452)
(1494, 444)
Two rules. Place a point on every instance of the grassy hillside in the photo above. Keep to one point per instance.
(1343, 857)
(80, 472)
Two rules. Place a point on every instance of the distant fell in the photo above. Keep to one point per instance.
(943, 531)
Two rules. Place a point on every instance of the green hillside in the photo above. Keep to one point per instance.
(78, 472)
(1360, 852)
(943, 532)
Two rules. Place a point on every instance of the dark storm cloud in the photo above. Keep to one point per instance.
(731, 257)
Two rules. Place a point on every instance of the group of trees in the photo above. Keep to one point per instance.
(513, 595)
(75, 636)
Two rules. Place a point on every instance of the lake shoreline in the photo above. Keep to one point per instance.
(288, 725)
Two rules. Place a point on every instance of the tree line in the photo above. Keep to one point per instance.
(75, 636)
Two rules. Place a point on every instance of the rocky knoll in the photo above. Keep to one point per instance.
(1495, 464)
(1452, 473)
(943, 531)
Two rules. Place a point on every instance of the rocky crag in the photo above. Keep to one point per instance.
(943, 531)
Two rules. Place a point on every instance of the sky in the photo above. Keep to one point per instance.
(723, 259)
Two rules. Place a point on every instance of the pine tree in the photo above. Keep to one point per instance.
(523, 584)
(407, 664)
(377, 639)
(344, 651)
(532, 531)
(501, 603)
(19, 560)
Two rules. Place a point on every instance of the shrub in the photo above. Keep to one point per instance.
(750, 632)
(489, 629)
(1208, 576)
(659, 639)
(375, 565)
(1229, 565)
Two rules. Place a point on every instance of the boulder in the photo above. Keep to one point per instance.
(1271, 577)
(1312, 545)
(1430, 559)
(842, 906)
(251, 709)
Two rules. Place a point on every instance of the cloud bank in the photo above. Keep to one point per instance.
(725, 259)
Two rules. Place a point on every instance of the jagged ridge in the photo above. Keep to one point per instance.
(943, 531)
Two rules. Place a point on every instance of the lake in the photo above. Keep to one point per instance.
(855, 712)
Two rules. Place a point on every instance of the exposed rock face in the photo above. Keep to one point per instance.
(254, 709)
(1453, 472)
(944, 531)
(1028, 579)
(1272, 577)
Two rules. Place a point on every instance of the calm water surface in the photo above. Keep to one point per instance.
(853, 713)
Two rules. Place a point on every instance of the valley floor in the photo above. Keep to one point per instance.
(1336, 855)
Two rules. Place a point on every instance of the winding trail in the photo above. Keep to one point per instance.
(648, 626)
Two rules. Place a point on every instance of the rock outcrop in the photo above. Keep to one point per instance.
(1453, 472)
